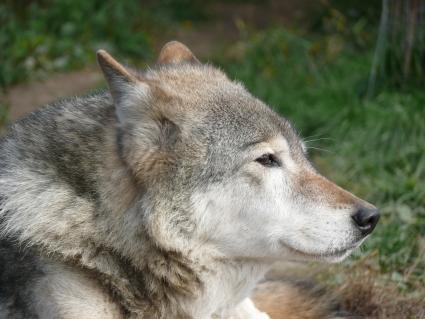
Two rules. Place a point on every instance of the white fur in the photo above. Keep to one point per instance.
(227, 288)
(27, 190)
(67, 294)
(247, 310)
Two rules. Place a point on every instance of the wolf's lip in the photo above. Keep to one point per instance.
(330, 254)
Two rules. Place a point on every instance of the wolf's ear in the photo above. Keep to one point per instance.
(123, 84)
(147, 127)
(175, 52)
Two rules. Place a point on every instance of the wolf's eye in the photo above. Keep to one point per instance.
(268, 160)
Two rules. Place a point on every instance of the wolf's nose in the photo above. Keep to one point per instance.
(366, 219)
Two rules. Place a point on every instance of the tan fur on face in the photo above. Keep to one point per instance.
(319, 189)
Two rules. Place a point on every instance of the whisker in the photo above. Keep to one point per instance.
(319, 149)
(315, 135)
(318, 139)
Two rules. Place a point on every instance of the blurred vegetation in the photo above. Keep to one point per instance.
(39, 37)
(399, 59)
(318, 78)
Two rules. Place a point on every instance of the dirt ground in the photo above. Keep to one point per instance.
(24, 98)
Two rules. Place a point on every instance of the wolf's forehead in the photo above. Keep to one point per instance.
(230, 112)
(244, 120)
(188, 79)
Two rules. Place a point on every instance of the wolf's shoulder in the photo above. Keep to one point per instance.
(94, 108)
(62, 141)
(62, 127)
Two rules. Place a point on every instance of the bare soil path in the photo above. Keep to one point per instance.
(25, 98)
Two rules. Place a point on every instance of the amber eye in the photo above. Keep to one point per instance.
(268, 160)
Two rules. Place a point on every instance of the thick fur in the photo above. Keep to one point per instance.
(149, 201)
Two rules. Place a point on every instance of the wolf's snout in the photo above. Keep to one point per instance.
(366, 219)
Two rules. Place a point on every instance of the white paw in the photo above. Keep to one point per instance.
(261, 315)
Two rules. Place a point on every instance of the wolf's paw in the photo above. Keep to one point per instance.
(261, 315)
(258, 315)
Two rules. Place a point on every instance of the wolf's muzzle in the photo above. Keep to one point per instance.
(366, 219)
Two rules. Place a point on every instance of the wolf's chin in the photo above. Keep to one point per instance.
(327, 256)
(337, 258)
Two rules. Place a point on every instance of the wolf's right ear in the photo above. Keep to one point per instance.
(123, 84)
(175, 52)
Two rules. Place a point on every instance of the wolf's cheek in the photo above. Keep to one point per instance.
(239, 217)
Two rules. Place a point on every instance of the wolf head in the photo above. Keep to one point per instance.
(219, 168)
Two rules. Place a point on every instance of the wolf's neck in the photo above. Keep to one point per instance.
(224, 288)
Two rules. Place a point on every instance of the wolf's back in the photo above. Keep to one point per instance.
(51, 156)
(60, 140)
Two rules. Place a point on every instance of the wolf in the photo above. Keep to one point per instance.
(168, 195)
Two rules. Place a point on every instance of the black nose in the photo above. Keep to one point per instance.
(366, 219)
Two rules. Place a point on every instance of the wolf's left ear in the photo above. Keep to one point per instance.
(175, 52)
(123, 84)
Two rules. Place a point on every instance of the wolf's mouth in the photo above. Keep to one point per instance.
(335, 254)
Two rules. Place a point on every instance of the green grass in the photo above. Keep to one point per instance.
(374, 148)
